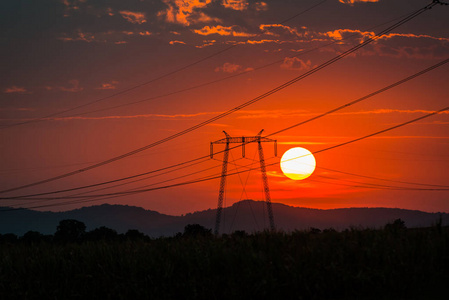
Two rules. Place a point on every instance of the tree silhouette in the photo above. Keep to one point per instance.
(397, 226)
(70, 231)
(8, 238)
(32, 237)
(194, 230)
(134, 234)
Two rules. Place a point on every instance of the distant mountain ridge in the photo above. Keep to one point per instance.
(245, 215)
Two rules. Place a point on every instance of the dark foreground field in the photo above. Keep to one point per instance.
(393, 263)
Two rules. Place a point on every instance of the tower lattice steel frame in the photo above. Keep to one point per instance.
(243, 140)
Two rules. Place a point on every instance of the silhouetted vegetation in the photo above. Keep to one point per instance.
(390, 263)
(70, 231)
(196, 230)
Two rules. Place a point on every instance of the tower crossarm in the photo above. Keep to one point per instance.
(243, 139)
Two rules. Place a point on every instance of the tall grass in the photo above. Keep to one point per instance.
(354, 264)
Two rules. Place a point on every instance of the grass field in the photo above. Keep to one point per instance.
(390, 263)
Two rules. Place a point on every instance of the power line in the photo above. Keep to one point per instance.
(439, 64)
(152, 80)
(237, 108)
(123, 193)
(383, 179)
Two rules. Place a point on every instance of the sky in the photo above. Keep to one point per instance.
(85, 81)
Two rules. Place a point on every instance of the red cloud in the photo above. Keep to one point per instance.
(73, 88)
(221, 30)
(108, 86)
(15, 89)
(186, 12)
(228, 68)
(80, 36)
(261, 6)
(235, 4)
(133, 17)
(294, 63)
(177, 42)
(351, 2)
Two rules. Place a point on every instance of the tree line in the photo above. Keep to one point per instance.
(70, 230)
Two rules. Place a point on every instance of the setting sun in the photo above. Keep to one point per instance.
(298, 163)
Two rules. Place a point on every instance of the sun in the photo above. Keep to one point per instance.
(298, 163)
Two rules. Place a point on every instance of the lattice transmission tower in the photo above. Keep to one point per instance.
(224, 171)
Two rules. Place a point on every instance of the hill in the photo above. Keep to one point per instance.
(245, 215)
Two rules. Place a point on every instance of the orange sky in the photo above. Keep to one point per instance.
(92, 58)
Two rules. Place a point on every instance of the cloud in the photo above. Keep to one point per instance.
(177, 42)
(108, 86)
(389, 111)
(228, 68)
(79, 36)
(73, 88)
(397, 45)
(222, 30)
(15, 89)
(273, 114)
(17, 109)
(261, 6)
(206, 43)
(351, 2)
(341, 34)
(235, 4)
(278, 29)
(294, 63)
(133, 17)
(111, 36)
(146, 116)
(71, 5)
(186, 12)
(145, 33)
(414, 36)
(289, 113)
(110, 12)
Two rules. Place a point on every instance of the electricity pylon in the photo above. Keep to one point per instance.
(224, 171)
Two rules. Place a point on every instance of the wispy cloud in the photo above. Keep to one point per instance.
(177, 42)
(261, 6)
(79, 36)
(108, 85)
(294, 63)
(417, 46)
(133, 17)
(243, 114)
(17, 109)
(143, 116)
(278, 29)
(340, 34)
(112, 36)
(351, 2)
(186, 12)
(235, 4)
(207, 43)
(228, 68)
(389, 111)
(73, 88)
(222, 30)
(285, 113)
(16, 89)
(71, 5)
(416, 36)
(145, 33)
